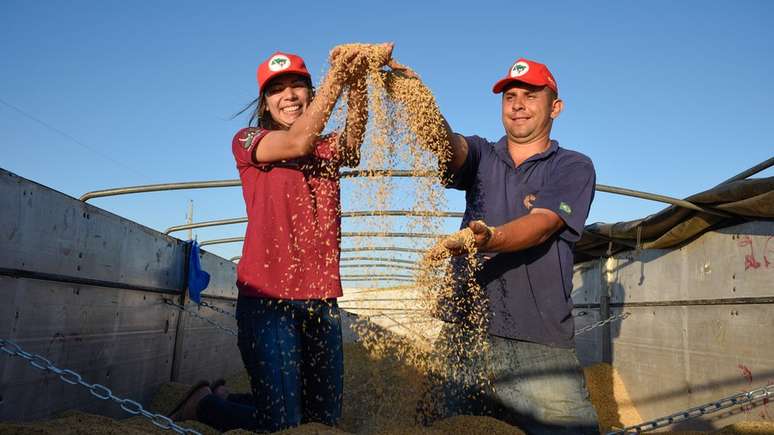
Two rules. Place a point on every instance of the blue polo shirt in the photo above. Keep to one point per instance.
(529, 290)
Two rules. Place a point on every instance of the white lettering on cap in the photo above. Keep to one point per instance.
(519, 69)
(279, 62)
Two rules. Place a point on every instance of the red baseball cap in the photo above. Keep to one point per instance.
(527, 71)
(281, 63)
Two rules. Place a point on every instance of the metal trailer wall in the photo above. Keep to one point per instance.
(701, 324)
(85, 288)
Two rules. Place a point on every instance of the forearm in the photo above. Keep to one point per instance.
(523, 233)
(303, 134)
(457, 150)
(357, 118)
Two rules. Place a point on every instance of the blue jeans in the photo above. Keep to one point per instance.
(292, 351)
(539, 388)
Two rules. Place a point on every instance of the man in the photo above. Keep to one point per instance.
(527, 202)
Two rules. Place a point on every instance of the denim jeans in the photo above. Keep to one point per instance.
(292, 351)
(539, 388)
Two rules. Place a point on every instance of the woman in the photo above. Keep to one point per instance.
(288, 276)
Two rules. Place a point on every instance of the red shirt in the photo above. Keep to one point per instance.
(291, 248)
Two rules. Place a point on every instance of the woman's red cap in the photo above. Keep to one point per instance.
(281, 63)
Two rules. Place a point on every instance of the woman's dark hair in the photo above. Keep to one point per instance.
(259, 114)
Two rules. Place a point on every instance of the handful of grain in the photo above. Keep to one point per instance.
(440, 252)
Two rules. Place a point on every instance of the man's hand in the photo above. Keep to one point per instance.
(482, 234)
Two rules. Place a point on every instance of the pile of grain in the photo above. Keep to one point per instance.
(610, 397)
(379, 398)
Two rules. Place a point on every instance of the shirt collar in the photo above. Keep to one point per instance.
(501, 148)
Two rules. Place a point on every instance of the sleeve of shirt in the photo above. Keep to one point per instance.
(569, 194)
(244, 143)
(463, 178)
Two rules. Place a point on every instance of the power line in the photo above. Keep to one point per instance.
(73, 139)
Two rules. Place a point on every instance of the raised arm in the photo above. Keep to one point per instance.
(357, 118)
(458, 147)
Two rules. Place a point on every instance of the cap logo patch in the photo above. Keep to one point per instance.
(279, 62)
(563, 206)
(528, 200)
(519, 69)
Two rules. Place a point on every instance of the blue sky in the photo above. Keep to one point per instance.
(667, 97)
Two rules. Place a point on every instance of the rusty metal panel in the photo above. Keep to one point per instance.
(587, 289)
(85, 288)
(673, 358)
(700, 324)
(122, 339)
(586, 282)
(208, 352)
(588, 345)
(42, 230)
(736, 262)
(222, 276)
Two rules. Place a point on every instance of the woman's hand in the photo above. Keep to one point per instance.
(349, 61)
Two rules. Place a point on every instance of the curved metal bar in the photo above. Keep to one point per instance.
(344, 299)
(158, 188)
(408, 173)
(404, 173)
(661, 198)
(346, 214)
(389, 234)
(414, 213)
(220, 241)
(205, 224)
(360, 290)
(383, 259)
(345, 234)
(384, 248)
(750, 172)
(387, 173)
(231, 183)
(366, 266)
(378, 275)
(405, 310)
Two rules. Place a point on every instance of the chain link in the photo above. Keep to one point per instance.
(199, 316)
(708, 408)
(205, 304)
(97, 390)
(610, 319)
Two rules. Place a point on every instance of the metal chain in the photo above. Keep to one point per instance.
(199, 316)
(588, 328)
(708, 408)
(205, 304)
(97, 390)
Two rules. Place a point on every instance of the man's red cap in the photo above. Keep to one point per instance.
(281, 63)
(527, 71)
